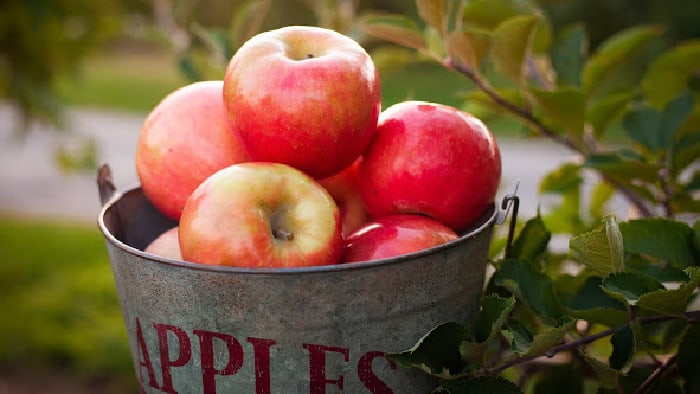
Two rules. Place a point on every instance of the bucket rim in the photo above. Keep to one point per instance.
(486, 223)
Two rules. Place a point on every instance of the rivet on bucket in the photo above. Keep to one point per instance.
(202, 329)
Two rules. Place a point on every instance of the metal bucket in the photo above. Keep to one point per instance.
(202, 329)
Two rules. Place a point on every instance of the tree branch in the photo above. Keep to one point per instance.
(656, 375)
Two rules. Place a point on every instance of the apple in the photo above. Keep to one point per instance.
(261, 214)
(183, 140)
(345, 190)
(395, 235)
(166, 245)
(304, 96)
(430, 159)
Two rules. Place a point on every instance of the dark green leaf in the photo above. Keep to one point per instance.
(569, 55)
(629, 287)
(512, 41)
(437, 353)
(685, 152)
(619, 167)
(624, 344)
(564, 178)
(531, 286)
(532, 241)
(550, 337)
(564, 106)
(663, 239)
(481, 385)
(600, 249)
(188, 68)
(675, 301)
(553, 379)
(492, 316)
(601, 113)
(433, 13)
(696, 235)
(517, 335)
(590, 302)
(688, 360)
(673, 117)
(668, 75)
(642, 125)
(654, 268)
(398, 29)
(613, 55)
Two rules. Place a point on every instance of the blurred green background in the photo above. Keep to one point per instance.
(59, 317)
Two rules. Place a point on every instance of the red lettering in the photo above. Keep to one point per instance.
(144, 358)
(367, 376)
(261, 352)
(317, 367)
(184, 353)
(206, 349)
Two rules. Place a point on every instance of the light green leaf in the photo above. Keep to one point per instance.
(675, 301)
(532, 241)
(601, 249)
(663, 239)
(601, 194)
(512, 41)
(550, 337)
(565, 106)
(620, 167)
(433, 13)
(569, 55)
(607, 376)
(532, 287)
(564, 178)
(601, 113)
(437, 353)
(469, 48)
(614, 55)
(398, 29)
(628, 287)
(668, 75)
(488, 14)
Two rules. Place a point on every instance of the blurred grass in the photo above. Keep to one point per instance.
(59, 304)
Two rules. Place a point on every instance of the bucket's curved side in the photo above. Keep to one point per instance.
(198, 330)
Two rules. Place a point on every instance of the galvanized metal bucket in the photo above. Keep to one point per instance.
(202, 329)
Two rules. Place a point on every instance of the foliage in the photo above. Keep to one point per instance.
(631, 283)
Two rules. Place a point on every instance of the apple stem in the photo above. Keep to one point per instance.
(281, 233)
(309, 56)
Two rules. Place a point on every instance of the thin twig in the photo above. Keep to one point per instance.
(656, 375)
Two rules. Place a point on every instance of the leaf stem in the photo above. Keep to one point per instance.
(691, 317)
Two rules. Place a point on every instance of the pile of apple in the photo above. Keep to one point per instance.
(290, 161)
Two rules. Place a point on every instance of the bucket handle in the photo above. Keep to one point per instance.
(105, 184)
(509, 202)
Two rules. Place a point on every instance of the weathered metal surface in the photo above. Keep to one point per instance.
(200, 329)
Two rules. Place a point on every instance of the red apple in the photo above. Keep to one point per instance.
(395, 235)
(166, 245)
(184, 139)
(261, 214)
(345, 190)
(430, 159)
(304, 96)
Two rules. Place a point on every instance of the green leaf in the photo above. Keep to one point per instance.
(642, 125)
(517, 335)
(675, 301)
(398, 29)
(488, 14)
(685, 152)
(629, 287)
(469, 48)
(512, 41)
(624, 344)
(569, 55)
(600, 249)
(437, 353)
(601, 113)
(654, 268)
(433, 13)
(492, 316)
(480, 384)
(532, 241)
(564, 106)
(532, 287)
(248, 20)
(564, 178)
(601, 194)
(619, 167)
(590, 302)
(614, 55)
(688, 359)
(554, 378)
(663, 239)
(668, 74)
(607, 376)
(550, 337)
(673, 117)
